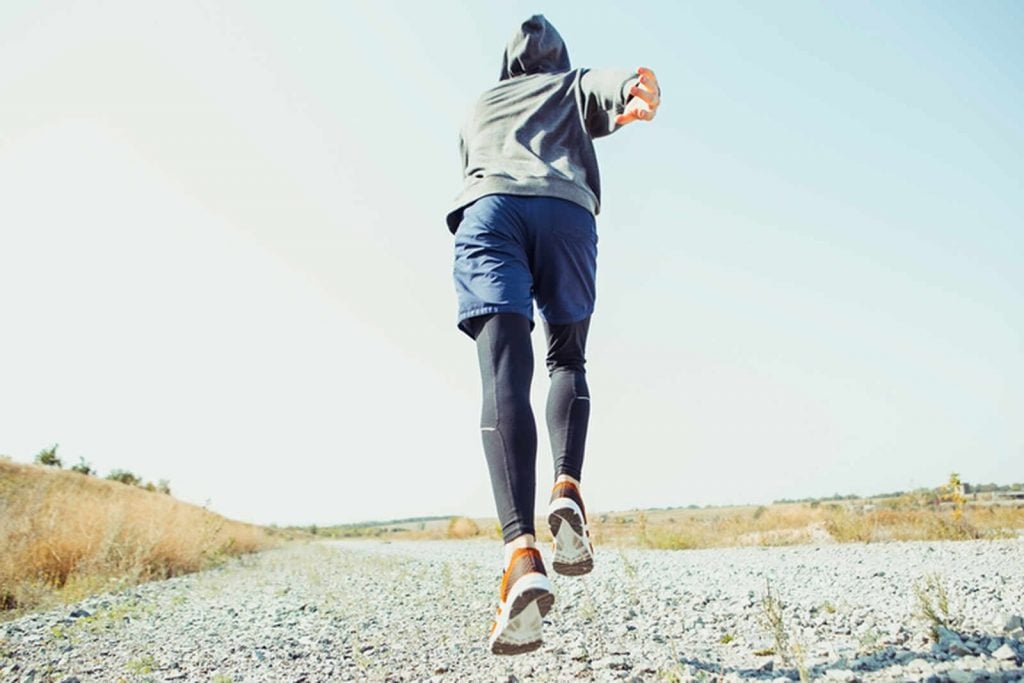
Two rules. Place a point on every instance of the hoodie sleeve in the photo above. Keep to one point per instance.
(602, 95)
(463, 154)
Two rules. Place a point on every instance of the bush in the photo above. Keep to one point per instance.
(48, 457)
(462, 527)
(83, 467)
(125, 477)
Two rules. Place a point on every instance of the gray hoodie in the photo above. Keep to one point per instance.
(531, 134)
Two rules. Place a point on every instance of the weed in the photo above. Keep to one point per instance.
(869, 640)
(628, 567)
(222, 678)
(142, 665)
(726, 638)
(670, 675)
(933, 605)
(792, 653)
(954, 493)
(587, 610)
(771, 618)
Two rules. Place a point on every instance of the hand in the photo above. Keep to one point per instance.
(646, 99)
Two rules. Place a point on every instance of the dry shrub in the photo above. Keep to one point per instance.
(65, 530)
(462, 527)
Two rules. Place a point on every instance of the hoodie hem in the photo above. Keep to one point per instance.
(533, 187)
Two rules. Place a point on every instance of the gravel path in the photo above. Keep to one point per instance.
(420, 611)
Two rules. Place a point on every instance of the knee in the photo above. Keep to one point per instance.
(567, 347)
(566, 363)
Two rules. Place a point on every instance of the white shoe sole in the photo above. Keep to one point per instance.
(517, 628)
(573, 553)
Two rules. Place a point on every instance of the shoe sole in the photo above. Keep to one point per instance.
(573, 554)
(530, 600)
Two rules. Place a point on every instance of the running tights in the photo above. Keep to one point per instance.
(507, 423)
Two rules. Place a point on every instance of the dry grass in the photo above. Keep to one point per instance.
(908, 518)
(67, 534)
(462, 527)
(796, 523)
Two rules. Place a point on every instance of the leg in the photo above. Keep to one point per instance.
(568, 407)
(507, 425)
(568, 413)
(510, 444)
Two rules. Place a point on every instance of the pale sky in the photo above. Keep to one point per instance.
(223, 260)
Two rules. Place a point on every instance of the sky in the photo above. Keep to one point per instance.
(223, 259)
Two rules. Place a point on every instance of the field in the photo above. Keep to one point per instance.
(917, 516)
(66, 534)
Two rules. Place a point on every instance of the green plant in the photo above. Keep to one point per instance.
(125, 477)
(83, 467)
(726, 638)
(933, 606)
(772, 619)
(142, 665)
(48, 457)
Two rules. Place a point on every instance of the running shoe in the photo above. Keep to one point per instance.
(525, 598)
(567, 518)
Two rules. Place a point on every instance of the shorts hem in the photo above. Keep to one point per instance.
(567, 321)
(464, 316)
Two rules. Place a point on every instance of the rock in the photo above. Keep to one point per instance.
(844, 675)
(961, 676)
(1005, 653)
(919, 665)
(79, 613)
(614, 663)
(1011, 622)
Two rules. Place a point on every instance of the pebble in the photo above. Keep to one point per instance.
(1004, 652)
(408, 611)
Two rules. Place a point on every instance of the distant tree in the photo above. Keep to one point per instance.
(164, 486)
(125, 477)
(83, 467)
(48, 457)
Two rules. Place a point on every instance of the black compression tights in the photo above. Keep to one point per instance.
(507, 424)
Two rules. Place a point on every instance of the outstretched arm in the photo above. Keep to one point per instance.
(646, 99)
(612, 98)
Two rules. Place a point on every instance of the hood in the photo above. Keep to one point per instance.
(535, 48)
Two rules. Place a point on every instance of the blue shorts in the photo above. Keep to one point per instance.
(511, 250)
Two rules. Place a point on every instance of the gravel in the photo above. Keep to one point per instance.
(412, 611)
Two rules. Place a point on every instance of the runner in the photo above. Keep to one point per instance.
(525, 231)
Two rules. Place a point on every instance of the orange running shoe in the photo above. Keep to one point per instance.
(567, 519)
(525, 598)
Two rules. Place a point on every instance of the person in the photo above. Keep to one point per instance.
(525, 231)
